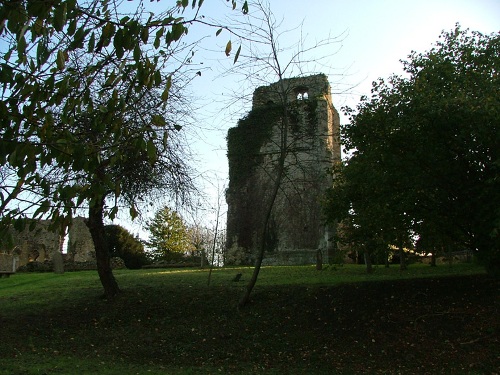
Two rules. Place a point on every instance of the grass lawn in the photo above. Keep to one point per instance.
(301, 321)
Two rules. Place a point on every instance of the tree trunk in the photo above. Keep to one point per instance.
(433, 258)
(402, 260)
(368, 262)
(260, 256)
(96, 228)
(277, 183)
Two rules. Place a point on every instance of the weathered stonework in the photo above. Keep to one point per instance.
(40, 244)
(297, 227)
(80, 243)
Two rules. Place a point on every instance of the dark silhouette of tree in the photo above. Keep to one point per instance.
(425, 150)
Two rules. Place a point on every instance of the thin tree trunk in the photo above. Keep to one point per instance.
(96, 228)
(368, 262)
(277, 183)
(260, 256)
(214, 244)
(402, 261)
(433, 258)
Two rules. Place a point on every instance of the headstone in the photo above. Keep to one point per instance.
(319, 260)
(58, 262)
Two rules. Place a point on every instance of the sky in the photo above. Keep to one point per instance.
(374, 35)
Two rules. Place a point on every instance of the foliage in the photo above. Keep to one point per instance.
(245, 140)
(86, 110)
(425, 150)
(168, 236)
(303, 112)
(41, 91)
(121, 243)
(200, 239)
(54, 54)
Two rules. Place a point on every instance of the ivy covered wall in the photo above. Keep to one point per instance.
(253, 151)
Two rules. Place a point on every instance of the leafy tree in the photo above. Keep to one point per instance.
(169, 236)
(121, 243)
(75, 77)
(425, 149)
(199, 239)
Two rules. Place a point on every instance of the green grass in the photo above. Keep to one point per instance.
(168, 321)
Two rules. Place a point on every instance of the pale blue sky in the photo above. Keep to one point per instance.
(377, 34)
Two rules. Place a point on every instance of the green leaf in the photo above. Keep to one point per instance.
(114, 210)
(118, 43)
(21, 46)
(158, 120)
(151, 150)
(157, 77)
(60, 16)
(137, 53)
(71, 27)
(159, 34)
(61, 59)
(228, 48)
(78, 39)
(218, 32)
(124, 20)
(237, 55)
(91, 47)
(145, 35)
(133, 212)
(244, 8)
(177, 31)
(164, 95)
(165, 139)
(107, 33)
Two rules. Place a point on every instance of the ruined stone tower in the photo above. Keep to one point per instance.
(310, 138)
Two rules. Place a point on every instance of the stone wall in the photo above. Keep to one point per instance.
(40, 244)
(80, 243)
(297, 228)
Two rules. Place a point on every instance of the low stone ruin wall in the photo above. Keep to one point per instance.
(48, 266)
(291, 258)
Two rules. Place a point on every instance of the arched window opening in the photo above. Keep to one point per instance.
(302, 93)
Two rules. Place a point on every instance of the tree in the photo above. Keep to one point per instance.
(425, 148)
(121, 243)
(168, 237)
(71, 76)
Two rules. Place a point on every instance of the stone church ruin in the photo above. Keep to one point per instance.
(41, 244)
(297, 233)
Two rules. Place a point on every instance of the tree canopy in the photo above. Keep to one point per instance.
(65, 67)
(169, 235)
(121, 243)
(86, 110)
(425, 150)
